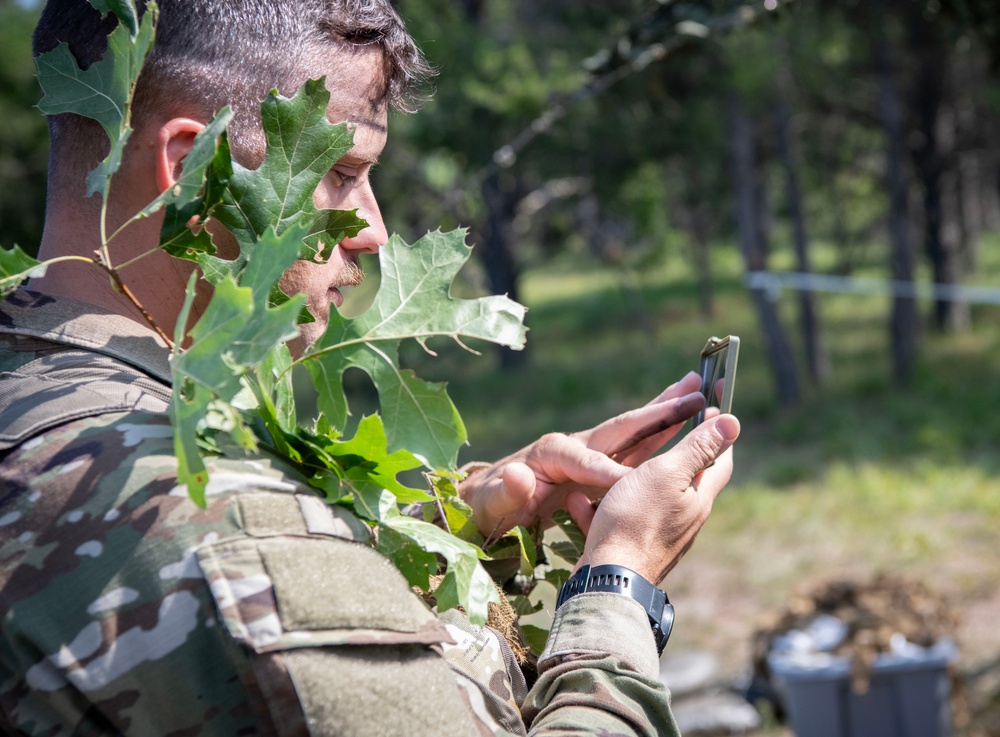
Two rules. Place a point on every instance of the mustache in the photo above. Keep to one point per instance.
(349, 275)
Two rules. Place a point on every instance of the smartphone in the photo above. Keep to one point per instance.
(718, 374)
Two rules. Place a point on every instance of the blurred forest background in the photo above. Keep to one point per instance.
(643, 174)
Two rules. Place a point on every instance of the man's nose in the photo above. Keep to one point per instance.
(375, 235)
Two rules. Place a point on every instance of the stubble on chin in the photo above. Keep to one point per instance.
(319, 304)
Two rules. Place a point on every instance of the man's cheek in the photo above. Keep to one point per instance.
(295, 280)
(225, 243)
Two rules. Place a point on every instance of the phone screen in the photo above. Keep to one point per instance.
(718, 374)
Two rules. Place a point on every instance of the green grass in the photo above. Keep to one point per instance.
(595, 347)
(863, 475)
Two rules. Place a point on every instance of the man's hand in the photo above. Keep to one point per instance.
(537, 480)
(650, 518)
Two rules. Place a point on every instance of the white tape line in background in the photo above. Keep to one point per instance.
(772, 282)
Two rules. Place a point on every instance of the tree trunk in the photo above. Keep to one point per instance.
(904, 324)
(989, 202)
(742, 151)
(957, 315)
(969, 184)
(496, 253)
(763, 219)
(937, 133)
(969, 187)
(818, 361)
(832, 136)
(699, 229)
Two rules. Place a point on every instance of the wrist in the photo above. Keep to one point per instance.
(593, 625)
(617, 579)
(626, 555)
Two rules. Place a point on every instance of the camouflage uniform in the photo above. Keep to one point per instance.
(128, 610)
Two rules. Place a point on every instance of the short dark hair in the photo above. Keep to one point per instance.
(210, 53)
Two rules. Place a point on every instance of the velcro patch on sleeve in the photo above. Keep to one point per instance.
(367, 691)
(322, 519)
(269, 514)
(329, 584)
(276, 593)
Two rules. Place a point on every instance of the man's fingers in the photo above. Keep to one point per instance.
(717, 475)
(581, 509)
(690, 383)
(703, 446)
(621, 435)
(513, 492)
(518, 484)
(560, 458)
(646, 448)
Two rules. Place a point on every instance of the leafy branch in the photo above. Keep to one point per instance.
(231, 371)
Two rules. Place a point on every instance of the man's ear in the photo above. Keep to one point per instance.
(173, 141)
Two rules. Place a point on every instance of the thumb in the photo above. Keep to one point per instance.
(703, 445)
(517, 489)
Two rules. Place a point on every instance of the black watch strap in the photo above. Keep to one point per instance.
(622, 580)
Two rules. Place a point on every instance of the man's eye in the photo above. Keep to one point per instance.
(344, 180)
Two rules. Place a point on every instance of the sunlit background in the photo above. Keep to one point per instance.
(644, 174)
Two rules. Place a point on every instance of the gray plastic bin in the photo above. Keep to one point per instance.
(909, 696)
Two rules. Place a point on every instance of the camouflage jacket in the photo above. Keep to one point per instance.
(127, 610)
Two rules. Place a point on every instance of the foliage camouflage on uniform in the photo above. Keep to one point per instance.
(122, 600)
(269, 212)
(128, 610)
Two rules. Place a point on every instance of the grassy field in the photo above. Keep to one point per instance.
(863, 476)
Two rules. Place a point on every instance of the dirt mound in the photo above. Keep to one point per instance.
(871, 612)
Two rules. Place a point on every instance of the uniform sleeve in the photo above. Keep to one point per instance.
(599, 673)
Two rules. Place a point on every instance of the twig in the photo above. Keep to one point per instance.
(437, 500)
(653, 50)
(489, 538)
(121, 287)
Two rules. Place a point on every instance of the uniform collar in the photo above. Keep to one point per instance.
(72, 323)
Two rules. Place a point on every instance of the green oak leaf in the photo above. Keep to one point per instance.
(522, 605)
(416, 564)
(517, 543)
(413, 301)
(210, 361)
(461, 520)
(302, 146)
(188, 189)
(177, 236)
(103, 92)
(381, 467)
(557, 577)
(535, 637)
(15, 267)
(188, 405)
(234, 335)
(571, 548)
(466, 583)
(459, 517)
(274, 377)
(124, 10)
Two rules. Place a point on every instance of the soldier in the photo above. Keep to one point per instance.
(128, 610)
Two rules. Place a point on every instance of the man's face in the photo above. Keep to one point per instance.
(356, 98)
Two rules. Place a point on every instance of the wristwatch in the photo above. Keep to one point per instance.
(621, 580)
